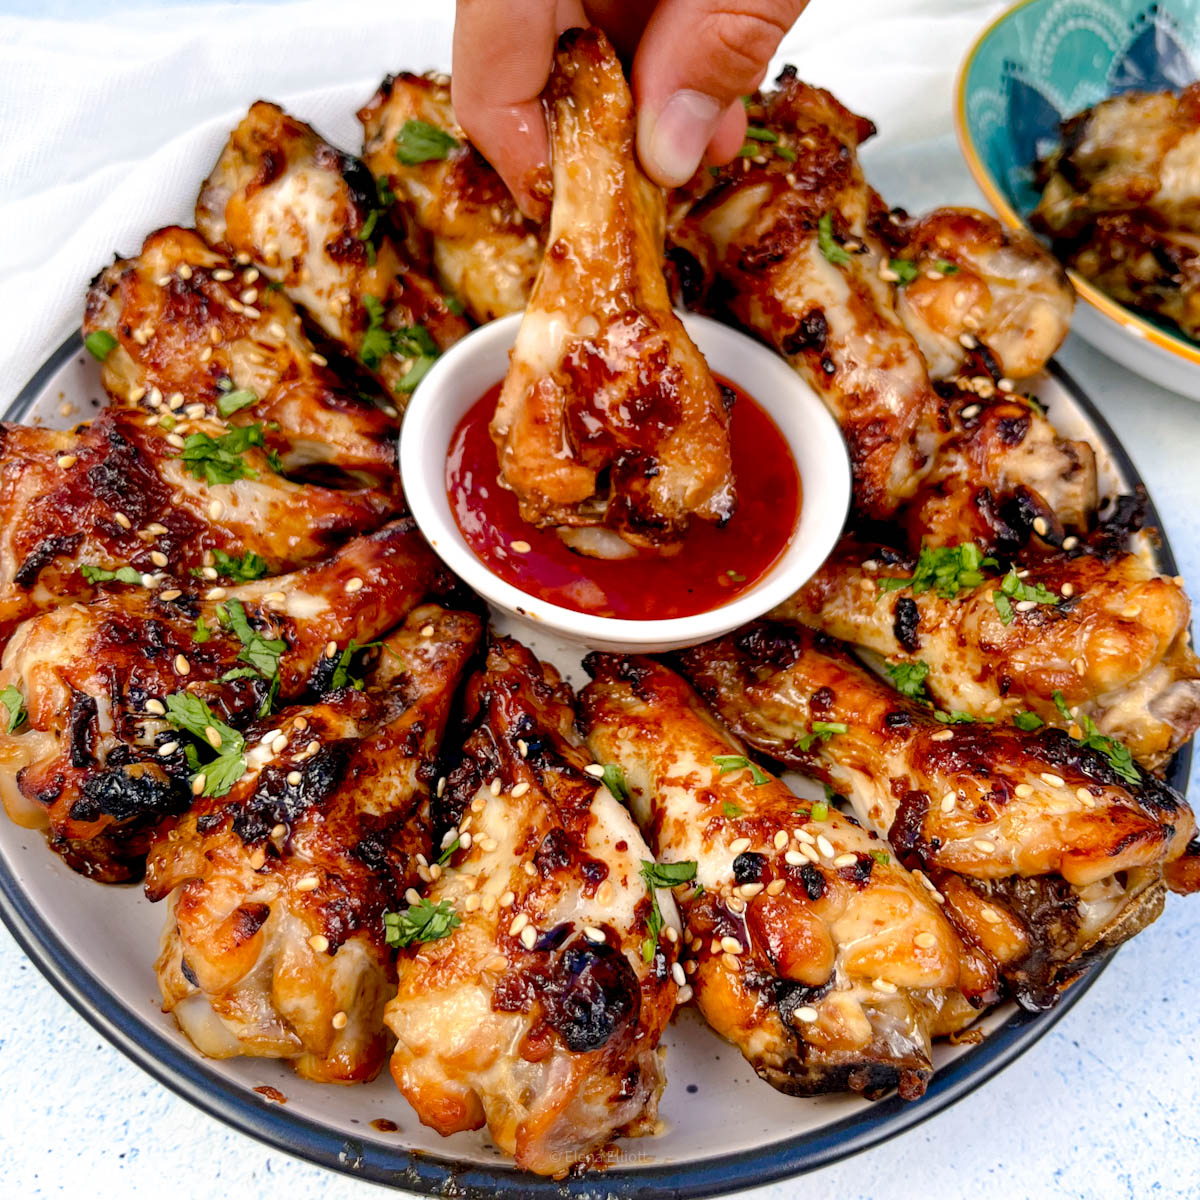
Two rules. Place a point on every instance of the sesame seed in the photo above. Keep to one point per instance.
(486, 844)
(845, 860)
(217, 593)
(824, 846)
(435, 871)
(156, 707)
(339, 1020)
(972, 410)
(472, 902)
(494, 786)
(354, 585)
(222, 275)
(412, 896)
(241, 258)
(595, 770)
(294, 778)
(794, 858)
(175, 401)
(518, 923)
(212, 736)
(66, 461)
(1051, 779)
(1083, 794)
(1024, 606)
(441, 786)
(464, 841)
(258, 859)
(738, 845)
(251, 311)
(670, 934)
(1023, 790)
(182, 666)
(149, 581)
(806, 1014)
(194, 411)
(678, 975)
(206, 354)
(1080, 667)
(427, 631)
(155, 528)
(199, 783)
(158, 558)
(122, 520)
(736, 904)
(884, 985)
(949, 800)
(775, 887)
(519, 790)
(1040, 527)
(318, 360)
(925, 940)
(810, 852)
(684, 994)
(750, 890)
(249, 295)
(984, 845)
(731, 945)
(278, 832)
(528, 937)
(780, 840)
(163, 280)
(319, 942)
(167, 749)
(270, 736)
(309, 883)
(507, 899)
(990, 915)
(274, 598)
(802, 835)
(520, 547)
(604, 893)
(529, 868)
(1069, 543)
(1005, 385)
(967, 341)
(279, 745)
(942, 735)
(173, 439)
(886, 273)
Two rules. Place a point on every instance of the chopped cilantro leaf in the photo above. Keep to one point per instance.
(731, 810)
(825, 240)
(202, 632)
(1027, 721)
(419, 142)
(259, 652)
(661, 875)
(908, 678)
(230, 402)
(942, 267)
(954, 717)
(219, 460)
(415, 373)
(454, 305)
(242, 568)
(905, 269)
(1004, 607)
(448, 850)
(106, 575)
(100, 344)
(739, 762)
(946, 569)
(420, 922)
(614, 779)
(14, 704)
(786, 153)
(882, 857)
(1117, 753)
(1015, 588)
(189, 713)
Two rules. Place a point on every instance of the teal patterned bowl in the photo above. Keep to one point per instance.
(1042, 61)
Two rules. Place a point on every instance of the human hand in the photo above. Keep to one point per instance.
(693, 60)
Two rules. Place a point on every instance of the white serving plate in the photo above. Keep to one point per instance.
(721, 1126)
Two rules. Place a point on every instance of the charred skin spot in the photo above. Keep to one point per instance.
(748, 867)
(591, 995)
(860, 872)
(897, 720)
(186, 968)
(275, 801)
(906, 834)
(812, 880)
(248, 919)
(555, 853)
(905, 620)
(821, 701)
(82, 730)
(43, 555)
(689, 275)
(128, 795)
(811, 333)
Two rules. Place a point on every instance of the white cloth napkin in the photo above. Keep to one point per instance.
(109, 121)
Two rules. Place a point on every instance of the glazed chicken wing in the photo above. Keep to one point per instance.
(967, 278)
(822, 959)
(608, 415)
(484, 251)
(1045, 851)
(200, 335)
(99, 760)
(539, 1008)
(119, 494)
(1134, 153)
(1110, 636)
(302, 211)
(789, 234)
(275, 943)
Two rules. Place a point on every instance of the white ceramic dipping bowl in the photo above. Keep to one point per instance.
(480, 360)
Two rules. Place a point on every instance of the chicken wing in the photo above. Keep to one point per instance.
(812, 950)
(203, 336)
(99, 760)
(1046, 851)
(962, 277)
(1110, 637)
(608, 415)
(120, 494)
(302, 211)
(789, 232)
(539, 1007)
(484, 251)
(275, 943)
(1134, 153)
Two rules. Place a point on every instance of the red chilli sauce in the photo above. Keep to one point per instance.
(713, 566)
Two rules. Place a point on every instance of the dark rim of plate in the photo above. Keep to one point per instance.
(172, 1061)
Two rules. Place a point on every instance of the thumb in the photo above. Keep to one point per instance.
(695, 59)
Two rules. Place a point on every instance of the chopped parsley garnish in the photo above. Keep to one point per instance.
(219, 460)
(234, 401)
(739, 762)
(417, 372)
(904, 269)
(420, 922)
(731, 810)
(259, 652)
(107, 575)
(955, 717)
(202, 632)
(1027, 721)
(661, 875)
(1013, 588)
(241, 569)
(946, 569)
(819, 811)
(942, 267)
(419, 142)
(342, 674)
(819, 731)
(410, 341)
(191, 714)
(908, 678)
(825, 240)
(100, 344)
(882, 857)
(14, 704)
(1117, 753)
(614, 779)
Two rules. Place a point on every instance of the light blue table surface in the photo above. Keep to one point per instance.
(1106, 1106)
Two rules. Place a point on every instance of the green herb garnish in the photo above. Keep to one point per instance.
(731, 810)
(1027, 721)
(202, 633)
(946, 569)
(420, 922)
(825, 240)
(661, 875)
(819, 811)
(819, 731)
(100, 344)
(241, 568)
(1012, 587)
(259, 652)
(14, 704)
(908, 678)
(904, 269)
(739, 762)
(882, 857)
(614, 779)
(219, 460)
(419, 142)
(230, 402)
(1118, 754)
(107, 575)
(189, 713)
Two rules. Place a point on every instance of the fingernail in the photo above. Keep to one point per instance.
(671, 142)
